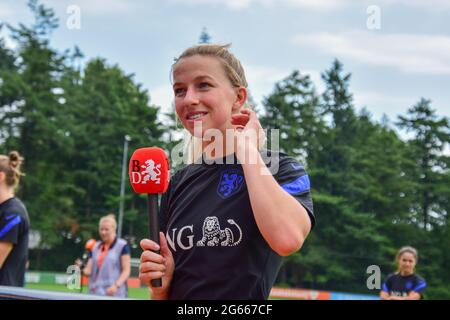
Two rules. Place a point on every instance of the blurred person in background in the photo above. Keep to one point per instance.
(14, 223)
(108, 266)
(405, 284)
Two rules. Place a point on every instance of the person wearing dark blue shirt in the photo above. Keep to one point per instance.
(236, 209)
(405, 284)
(14, 224)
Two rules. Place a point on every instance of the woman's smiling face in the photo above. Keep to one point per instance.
(203, 93)
(406, 263)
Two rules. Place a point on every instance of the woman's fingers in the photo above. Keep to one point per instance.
(165, 250)
(240, 119)
(147, 277)
(245, 116)
(156, 265)
(151, 267)
(147, 244)
(149, 256)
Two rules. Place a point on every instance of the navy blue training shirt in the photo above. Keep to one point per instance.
(208, 221)
(401, 286)
(14, 228)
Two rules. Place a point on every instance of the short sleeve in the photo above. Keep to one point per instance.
(420, 285)
(10, 227)
(126, 250)
(292, 177)
(386, 287)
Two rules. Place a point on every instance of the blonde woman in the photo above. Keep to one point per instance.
(109, 265)
(226, 222)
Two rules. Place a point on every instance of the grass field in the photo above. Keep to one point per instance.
(133, 293)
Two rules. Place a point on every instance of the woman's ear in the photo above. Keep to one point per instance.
(2, 177)
(241, 98)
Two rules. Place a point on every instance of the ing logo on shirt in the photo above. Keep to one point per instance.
(212, 235)
(230, 183)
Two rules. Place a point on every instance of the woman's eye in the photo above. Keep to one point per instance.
(204, 85)
(178, 91)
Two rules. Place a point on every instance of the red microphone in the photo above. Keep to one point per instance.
(149, 173)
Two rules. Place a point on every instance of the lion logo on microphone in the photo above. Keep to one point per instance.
(152, 172)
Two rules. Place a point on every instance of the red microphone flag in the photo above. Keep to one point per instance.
(149, 173)
(149, 170)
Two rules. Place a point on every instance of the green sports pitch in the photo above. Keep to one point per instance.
(133, 293)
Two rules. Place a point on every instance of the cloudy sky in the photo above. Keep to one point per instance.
(396, 50)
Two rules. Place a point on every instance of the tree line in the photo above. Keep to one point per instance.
(373, 190)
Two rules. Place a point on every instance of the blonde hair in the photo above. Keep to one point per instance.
(234, 72)
(10, 165)
(233, 68)
(111, 218)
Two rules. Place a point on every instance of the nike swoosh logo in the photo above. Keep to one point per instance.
(296, 166)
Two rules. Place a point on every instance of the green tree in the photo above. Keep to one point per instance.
(108, 105)
(431, 136)
(69, 121)
(35, 116)
(292, 108)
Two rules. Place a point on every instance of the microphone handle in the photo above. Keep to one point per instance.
(153, 226)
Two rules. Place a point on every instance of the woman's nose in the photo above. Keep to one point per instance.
(191, 97)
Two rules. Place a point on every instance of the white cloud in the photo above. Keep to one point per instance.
(162, 97)
(5, 11)
(261, 80)
(429, 4)
(318, 5)
(411, 53)
(106, 6)
(230, 4)
(379, 103)
(95, 7)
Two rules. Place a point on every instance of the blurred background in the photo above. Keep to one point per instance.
(358, 89)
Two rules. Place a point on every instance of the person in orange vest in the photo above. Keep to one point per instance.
(108, 266)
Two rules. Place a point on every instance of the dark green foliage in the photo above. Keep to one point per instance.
(373, 191)
(69, 124)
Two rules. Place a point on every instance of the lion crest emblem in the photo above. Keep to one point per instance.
(214, 236)
(230, 183)
(152, 172)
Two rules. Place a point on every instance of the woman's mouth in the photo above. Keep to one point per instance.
(196, 116)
